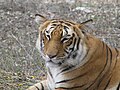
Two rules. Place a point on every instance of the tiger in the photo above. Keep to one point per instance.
(75, 59)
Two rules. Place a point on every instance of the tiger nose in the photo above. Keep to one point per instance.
(52, 56)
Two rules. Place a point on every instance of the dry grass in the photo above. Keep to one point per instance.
(20, 62)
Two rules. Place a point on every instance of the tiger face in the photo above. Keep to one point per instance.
(61, 42)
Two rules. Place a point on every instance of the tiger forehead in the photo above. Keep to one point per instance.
(64, 25)
(64, 22)
(61, 25)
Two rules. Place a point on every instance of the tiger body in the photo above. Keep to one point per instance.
(76, 60)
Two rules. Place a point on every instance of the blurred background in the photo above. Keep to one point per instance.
(20, 61)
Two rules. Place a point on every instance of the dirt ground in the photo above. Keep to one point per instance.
(20, 62)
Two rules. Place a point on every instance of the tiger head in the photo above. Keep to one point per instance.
(61, 42)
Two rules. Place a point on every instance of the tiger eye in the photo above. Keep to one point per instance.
(69, 42)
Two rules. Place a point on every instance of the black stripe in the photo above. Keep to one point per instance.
(100, 81)
(40, 16)
(103, 46)
(61, 21)
(102, 69)
(54, 24)
(42, 86)
(50, 72)
(78, 43)
(64, 81)
(64, 39)
(70, 88)
(67, 24)
(68, 35)
(48, 36)
(66, 51)
(66, 69)
(41, 38)
(118, 87)
(66, 29)
(72, 49)
(107, 83)
(90, 20)
(117, 52)
(37, 88)
(110, 55)
(113, 68)
(116, 56)
(51, 28)
(74, 43)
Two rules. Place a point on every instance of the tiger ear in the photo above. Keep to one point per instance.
(85, 25)
(88, 21)
(40, 18)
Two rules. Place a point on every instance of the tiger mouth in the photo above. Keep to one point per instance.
(56, 61)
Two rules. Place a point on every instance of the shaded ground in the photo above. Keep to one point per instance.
(20, 62)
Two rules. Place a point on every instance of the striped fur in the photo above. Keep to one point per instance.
(76, 60)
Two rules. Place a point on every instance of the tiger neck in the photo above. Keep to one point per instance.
(93, 70)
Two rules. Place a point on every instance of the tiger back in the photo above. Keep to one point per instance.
(76, 60)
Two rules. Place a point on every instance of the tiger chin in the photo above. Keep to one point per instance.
(75, 60)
